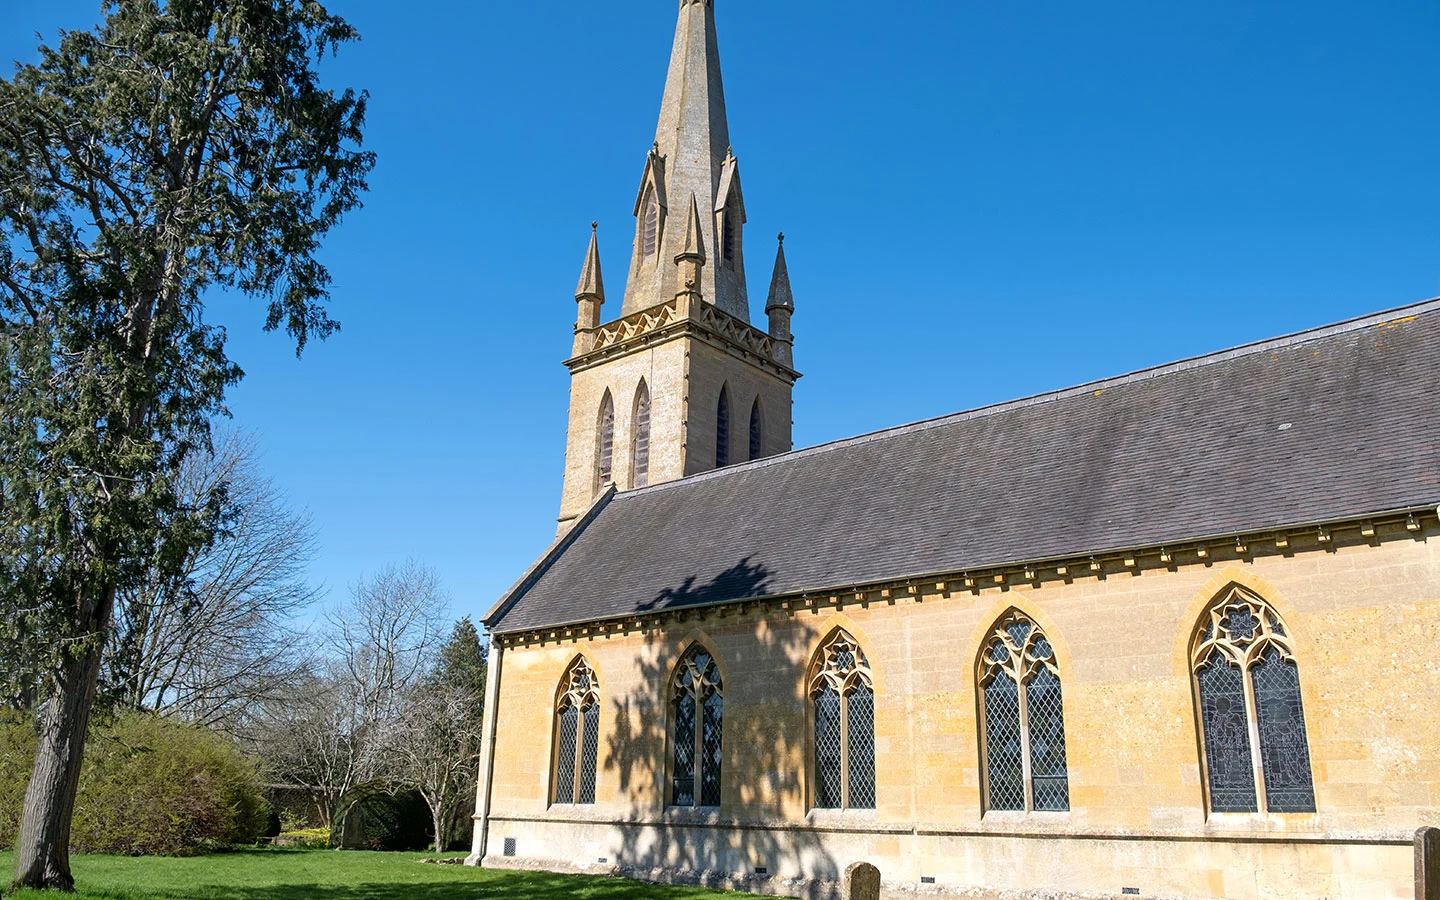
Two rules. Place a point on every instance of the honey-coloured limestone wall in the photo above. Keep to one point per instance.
(1364, 617)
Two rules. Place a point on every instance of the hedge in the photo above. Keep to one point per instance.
(149, 787)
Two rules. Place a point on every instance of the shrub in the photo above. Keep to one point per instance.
(305, 839)
(17, 755)
(150, 786)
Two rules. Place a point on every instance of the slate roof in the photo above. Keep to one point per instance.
(1329, 424)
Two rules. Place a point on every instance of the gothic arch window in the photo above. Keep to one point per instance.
(641, 450)
(650, 224)
(577, 735)
(757, 434)
(605, 443)
(842, 697)
(722, 429)
(1022, 720)
(698, 714)
(1252, 721)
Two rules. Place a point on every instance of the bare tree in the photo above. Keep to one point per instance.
(215, 637)
(434, 749)
(329, 735)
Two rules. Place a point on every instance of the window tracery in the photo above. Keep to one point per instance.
(1023, 720)
(577, 736)
(698, 706)
(1252, 719)
(842, 694)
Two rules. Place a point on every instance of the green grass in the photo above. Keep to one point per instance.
(330, 875)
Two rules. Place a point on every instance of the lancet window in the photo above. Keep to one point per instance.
(728, 238)
(577, 736)
(1247, 685)
(722, 430)
(605, 443)
(641, 450)
(842, 697)
(650, 225)
(756, 432)
(1022, 720)
(698, 713)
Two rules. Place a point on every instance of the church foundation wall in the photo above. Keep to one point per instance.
(1364, 616)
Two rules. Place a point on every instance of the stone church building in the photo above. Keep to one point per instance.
(1171, 634)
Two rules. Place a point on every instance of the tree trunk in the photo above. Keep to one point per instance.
(42, 853)
(439, 818)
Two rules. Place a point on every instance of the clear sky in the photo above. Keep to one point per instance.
(981, 200)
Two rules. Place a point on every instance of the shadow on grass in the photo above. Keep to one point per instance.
(504, 886)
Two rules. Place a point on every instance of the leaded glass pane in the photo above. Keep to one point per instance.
(755, 431)
(1284, 749)
(1227, 737)
(998, 652)
(828, 775)
(1241, 623)
(722, 431)
(565, 758)
(642, 438)
(1003, 763)
(710, 750)
(1042, 649)
(861, 711)
(1047, 743)
(684, 773)
(589, 754)
(1018, 632)
(605, 464)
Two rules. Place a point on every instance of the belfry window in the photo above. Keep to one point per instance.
(1022, 720)
(577, 736)
(605, 443)
(728, 238)
(842, 697)
(650, 225)
(698, 715)
(1247, 686)
(756, 432)
(722, 430)
(641, 454)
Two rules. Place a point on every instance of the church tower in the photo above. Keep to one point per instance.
(681, 382)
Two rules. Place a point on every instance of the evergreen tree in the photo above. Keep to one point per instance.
(180, 146)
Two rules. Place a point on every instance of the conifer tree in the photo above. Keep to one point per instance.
(179, 147)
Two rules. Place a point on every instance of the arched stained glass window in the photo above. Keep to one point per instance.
(842, 696)
(696, 739)
(577, 736)
(641, 450)
(1023, 720)
(722, 429)
(605, 443)
(756, 431)
(650, 225)
(1252, 720)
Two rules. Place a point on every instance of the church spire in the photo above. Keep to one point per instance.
(691, 157)
(780, 307)
(589, 294)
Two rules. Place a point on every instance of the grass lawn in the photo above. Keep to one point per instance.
(330, 875)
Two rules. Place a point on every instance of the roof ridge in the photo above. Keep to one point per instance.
(1288, 340)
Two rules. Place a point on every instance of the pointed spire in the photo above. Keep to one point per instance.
(592, 285)
(692, 157)
(694, 245)
(780, 296)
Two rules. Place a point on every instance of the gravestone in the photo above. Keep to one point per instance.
(1427, 864)
(862, 882)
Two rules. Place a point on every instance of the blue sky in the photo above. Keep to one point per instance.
(981, 201)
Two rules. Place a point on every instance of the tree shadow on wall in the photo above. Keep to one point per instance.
(739, 582)
(762, 779)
